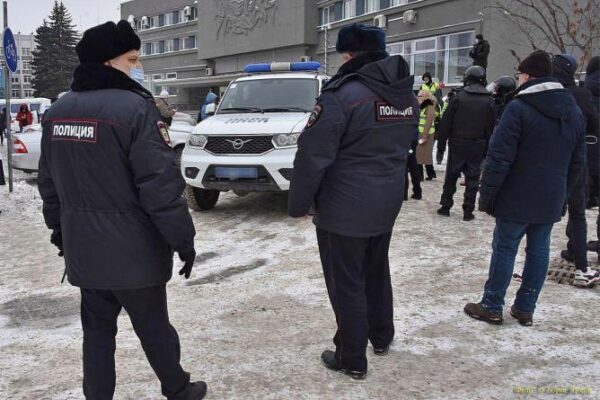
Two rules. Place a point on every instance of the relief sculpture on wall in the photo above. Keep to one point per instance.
(239, 17)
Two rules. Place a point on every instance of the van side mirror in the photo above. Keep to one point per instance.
(210, 109)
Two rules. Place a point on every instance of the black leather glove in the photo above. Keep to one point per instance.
(56, 239)
(485, 206)
(188, 256)
(439, 157)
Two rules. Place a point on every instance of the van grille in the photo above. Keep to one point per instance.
(239, 144)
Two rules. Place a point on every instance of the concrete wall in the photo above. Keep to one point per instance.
(226, 30)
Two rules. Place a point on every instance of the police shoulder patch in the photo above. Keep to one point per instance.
(164, 132)
(314, 116)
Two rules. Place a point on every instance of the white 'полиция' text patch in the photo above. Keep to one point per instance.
(387, 112)
(75, 131)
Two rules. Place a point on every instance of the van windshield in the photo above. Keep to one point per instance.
(271, 95)
(14, 108)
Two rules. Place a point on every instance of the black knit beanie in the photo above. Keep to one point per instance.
(538, 64)
(107, 41)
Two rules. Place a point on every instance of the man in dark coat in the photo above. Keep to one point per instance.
(564, 67)
(113, 199)
(467, 123)
(480, 51)
(535, 157)
(350, 167)
(592, 83)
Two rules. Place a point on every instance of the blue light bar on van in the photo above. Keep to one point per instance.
(283, 66)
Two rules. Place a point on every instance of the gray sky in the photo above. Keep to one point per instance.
(26, 15)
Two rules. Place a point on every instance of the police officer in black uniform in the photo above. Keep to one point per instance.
(112, 197)
(502, 94)
(350, 165)
(468, 123)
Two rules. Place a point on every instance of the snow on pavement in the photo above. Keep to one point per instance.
(254, 317)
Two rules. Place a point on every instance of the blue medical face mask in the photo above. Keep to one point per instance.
(137, 74)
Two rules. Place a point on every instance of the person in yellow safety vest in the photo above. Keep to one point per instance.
(428, 104)
(429, 85)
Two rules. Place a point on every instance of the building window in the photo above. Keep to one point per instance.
(371, 6)
(16, 93)
(26, 51)
(446, 57)
(161, 46)
(176, 17)
(176, 45)
(157, 77)
(26, 78)
(171, 75)
(28, 92)
(26, 65)
(14, 79)
(189, 42)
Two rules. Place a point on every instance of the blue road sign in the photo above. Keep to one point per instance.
(10, 50)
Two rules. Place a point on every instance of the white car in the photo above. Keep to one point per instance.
(27, 144)
(250, 143)
(181, 127)
(27, 148)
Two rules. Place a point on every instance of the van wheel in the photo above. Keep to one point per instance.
(201, 199)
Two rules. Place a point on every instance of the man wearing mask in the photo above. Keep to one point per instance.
(113, 199)
(564, 67)
(467, 124)
(350, 165)
(480, 51)
(535, 157)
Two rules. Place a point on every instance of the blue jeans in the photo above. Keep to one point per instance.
(507, 237)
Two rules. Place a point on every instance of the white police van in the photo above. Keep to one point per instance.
(249, 144)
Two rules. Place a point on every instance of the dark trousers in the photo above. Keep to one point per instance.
(593, 188)
(429, 170)
(147, 310)
(576, 225)
(415, 171)
(357, 275)
(458, 164)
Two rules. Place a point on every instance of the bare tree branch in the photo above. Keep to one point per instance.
(564, 24)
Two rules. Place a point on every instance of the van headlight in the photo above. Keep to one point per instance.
(284, 140)
(197, 141)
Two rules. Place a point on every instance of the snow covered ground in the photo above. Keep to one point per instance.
(254, 318)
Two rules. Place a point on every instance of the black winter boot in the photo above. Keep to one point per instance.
(468, 216)
(444, 211)
(331, 361)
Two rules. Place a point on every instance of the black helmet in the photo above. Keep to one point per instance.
(475, 74)
(504, 84)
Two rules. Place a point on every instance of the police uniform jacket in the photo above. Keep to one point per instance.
(352, 154)
(108, 180)
(535, 156)
(470, 116)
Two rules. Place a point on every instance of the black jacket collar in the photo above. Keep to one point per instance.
(98, 76)
(352, 66)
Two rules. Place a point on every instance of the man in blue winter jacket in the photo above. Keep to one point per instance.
(535, 156)
(350, 167)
